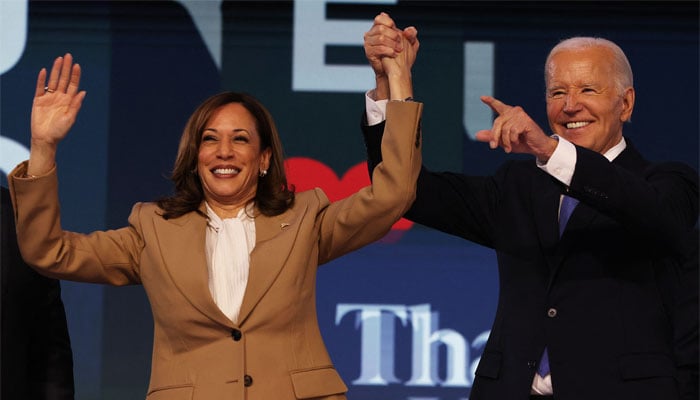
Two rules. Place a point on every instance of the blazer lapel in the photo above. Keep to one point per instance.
(631, 159)
(182, 242)
(275, 238)
(545, 199)
(581, 218)
(584, 216)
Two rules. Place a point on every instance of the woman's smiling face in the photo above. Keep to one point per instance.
(230, 158)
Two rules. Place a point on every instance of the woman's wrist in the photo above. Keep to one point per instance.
(400, 87)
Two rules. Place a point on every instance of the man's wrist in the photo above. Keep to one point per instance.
(544, 156)
(375, 110)
(381, 90)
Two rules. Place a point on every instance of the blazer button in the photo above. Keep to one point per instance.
(236, 334)
(247, 381)
(552, 312)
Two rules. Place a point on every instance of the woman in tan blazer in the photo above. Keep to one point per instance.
(229, 261)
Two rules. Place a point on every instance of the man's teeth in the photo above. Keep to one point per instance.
(226, 171)
(573, 125)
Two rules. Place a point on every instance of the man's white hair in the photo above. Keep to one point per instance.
(621, 66)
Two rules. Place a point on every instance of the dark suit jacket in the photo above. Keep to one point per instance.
(678, 277)
(37, 362)
(592, 297)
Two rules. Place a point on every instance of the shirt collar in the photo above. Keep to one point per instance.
(615, 151)
(244, 214)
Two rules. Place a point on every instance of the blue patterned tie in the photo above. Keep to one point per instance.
(543, 368)
(567, 207)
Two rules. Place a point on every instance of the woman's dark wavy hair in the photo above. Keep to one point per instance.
(273, 196)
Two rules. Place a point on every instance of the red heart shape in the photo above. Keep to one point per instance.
(306, 173)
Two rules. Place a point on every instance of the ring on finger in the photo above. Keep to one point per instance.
(47, 90)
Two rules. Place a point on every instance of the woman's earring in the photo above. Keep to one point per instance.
(263, 172)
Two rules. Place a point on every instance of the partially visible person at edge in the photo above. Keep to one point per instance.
(36, 355)
(602, 310)
(229, 261)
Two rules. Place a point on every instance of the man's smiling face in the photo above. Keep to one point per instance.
(584, 103)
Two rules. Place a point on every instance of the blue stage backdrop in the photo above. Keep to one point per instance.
(405, 318)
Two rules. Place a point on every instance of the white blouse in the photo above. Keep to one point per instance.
(229, 243)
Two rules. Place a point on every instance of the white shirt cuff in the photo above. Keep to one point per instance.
(376, 110)
(562, 163)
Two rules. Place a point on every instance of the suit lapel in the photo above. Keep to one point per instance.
(546, 195)
(187, 265)
(545, 198)
(581, 219)
(584, 216)
(182, 242)
(275, 238)
(631, 159)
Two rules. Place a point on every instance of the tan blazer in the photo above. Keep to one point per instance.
(275, 351)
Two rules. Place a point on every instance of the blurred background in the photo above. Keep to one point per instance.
(405, 318)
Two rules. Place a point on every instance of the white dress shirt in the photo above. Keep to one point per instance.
(229, 243)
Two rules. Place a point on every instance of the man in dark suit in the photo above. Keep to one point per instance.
(604, 306)
(36, 358)
(678, 280)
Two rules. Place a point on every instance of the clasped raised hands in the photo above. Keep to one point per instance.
(390, 51)
(385, 39)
